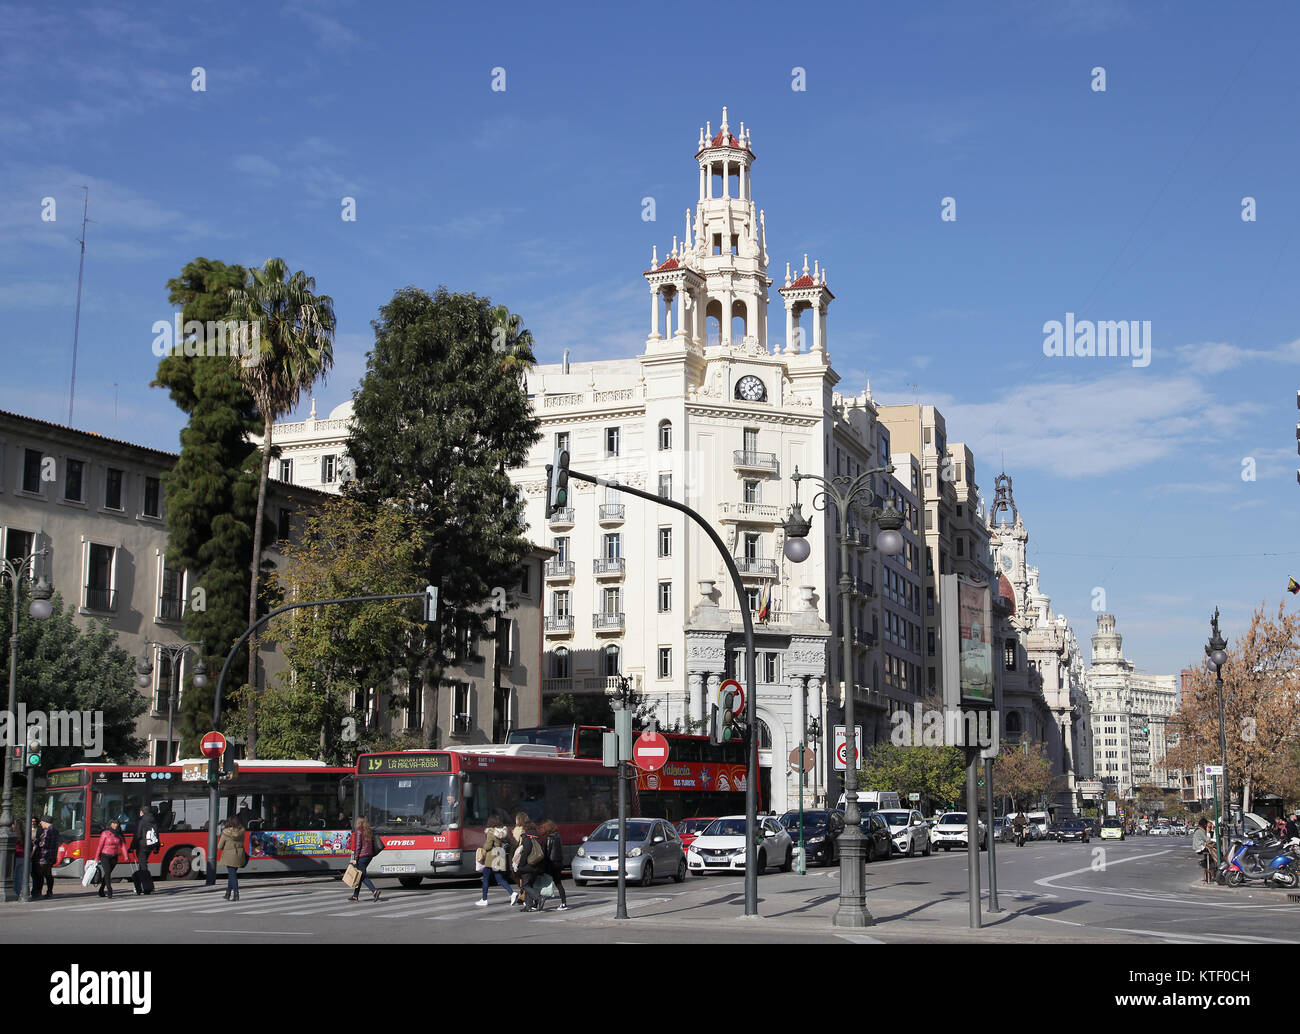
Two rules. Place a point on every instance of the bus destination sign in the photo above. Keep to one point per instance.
(384, 764)
(55, 779)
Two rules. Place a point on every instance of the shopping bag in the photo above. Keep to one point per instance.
(91, 875)
(545, 886)
(352, 876)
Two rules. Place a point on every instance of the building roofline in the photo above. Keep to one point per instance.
(90, 436)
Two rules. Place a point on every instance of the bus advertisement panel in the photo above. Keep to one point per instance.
(295, 812)
(430, 807)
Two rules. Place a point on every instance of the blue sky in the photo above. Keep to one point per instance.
(1123, 204)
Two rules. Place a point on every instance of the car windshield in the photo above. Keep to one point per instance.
(895, 818)
(811, 819)
(1073, 824)
(637, 830)
(953, 818)
(725, 828)
(689, 826)
(1111, 823)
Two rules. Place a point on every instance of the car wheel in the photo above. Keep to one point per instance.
(871, 850)
(926, 852)
(762, 862)
(789, 860)
(410, 881)
(647, 874)
(579, 883)
(681, 872)
(911, 848)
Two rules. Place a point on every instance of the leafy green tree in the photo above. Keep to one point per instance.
(336, 652)
(938, 774)
(211, 493)
(440, 416)
(62, 667)
(1022, 772)
(294, 347)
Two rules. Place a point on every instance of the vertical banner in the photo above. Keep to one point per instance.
(949, 654)
(975, 639)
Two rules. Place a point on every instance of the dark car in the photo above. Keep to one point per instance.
(878, 839)
(1074, 829)
(821, 832)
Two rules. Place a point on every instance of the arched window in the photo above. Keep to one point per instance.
(560, 664)
(665, 435)
(764, 735)
(612, 654)
(1013, 723)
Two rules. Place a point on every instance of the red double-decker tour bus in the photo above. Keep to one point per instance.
(700, 778)
(430, 807)
(298, 813)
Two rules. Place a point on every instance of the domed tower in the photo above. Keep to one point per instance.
(712, 287)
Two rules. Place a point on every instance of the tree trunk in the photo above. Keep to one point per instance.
(250, 732)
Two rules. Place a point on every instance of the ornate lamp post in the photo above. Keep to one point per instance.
(16, 570)
(176, 655)
(846, 493)
(1217, 651)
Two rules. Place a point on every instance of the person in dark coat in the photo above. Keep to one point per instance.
(554, 860)
(529, 871)
(144, 842)
(45, 852)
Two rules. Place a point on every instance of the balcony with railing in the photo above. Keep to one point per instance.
(608, 622)
(749, 513)
(756, 567)
(101, 599)
(612, 513)
(610, 683)
(760, 462)
(774, 617)
(557, 686)
(561, 624)
(609, 567)
(562, 518)
(559, 570)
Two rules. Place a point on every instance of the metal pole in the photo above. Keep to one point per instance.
(171, 699)
(751, 714)
(973, 837)
(7, 839)
(214, 801)
(803, 852)
(1223, 749)
(1218, 829)
(993, 841)
(852, 910)
(621, 911)
(26, 892)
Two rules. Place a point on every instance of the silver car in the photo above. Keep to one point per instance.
(654, 848)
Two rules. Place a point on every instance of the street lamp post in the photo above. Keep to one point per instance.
(16, 570)
(845, 493)
(176, 655)
(1217, 651)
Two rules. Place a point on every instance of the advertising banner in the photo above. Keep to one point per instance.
(299, 843)
(692, 775)
(975, 641)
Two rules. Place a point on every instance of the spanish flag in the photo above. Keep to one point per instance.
(1293, 587)
(765, 603)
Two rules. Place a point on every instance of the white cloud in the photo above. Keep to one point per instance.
(255, 165)
(1217, 356)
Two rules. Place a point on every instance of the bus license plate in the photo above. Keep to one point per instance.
(397, 868)
(603, 868)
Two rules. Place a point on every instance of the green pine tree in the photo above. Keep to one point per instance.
(440, 416)
(211, 493)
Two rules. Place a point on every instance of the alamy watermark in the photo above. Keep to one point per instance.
(1086, 338)
(84, 729)
(224, 338)
(947, 728)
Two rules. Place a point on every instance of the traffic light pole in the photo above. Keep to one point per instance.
(751, 778)
(26, 893)
(214, 796)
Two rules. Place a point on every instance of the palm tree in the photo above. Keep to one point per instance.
(292, 332)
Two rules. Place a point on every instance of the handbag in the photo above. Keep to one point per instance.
(352, 876)
(91, 875)
(545, 886)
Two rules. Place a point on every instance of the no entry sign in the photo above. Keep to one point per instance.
(650, 752)
(738, 697)
(213, 745)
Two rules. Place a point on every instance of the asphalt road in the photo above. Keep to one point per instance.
(1145, 889)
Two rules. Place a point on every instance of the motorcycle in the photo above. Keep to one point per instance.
(1020, 836)
(1265, 861)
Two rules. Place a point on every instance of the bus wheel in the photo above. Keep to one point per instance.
(410, 881)
(179, 864)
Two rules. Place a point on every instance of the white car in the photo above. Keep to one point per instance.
(720, 847)
(908, 832)
(950, 831)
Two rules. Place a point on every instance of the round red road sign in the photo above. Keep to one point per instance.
(738, 697)
(213, 745)
(650, 752)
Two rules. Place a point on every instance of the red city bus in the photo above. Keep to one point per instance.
(700, 778)
(430, 807)
(296, 813)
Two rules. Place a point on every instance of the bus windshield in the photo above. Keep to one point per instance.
(416, 803)
(67, 810)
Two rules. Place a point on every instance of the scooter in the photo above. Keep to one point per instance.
(1262, 861)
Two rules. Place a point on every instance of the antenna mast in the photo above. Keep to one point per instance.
(76, 330)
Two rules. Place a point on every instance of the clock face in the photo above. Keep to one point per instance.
(1007, 562)
(751, 389)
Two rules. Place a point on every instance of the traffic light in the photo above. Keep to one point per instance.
(557, 483)
(728, 732)
(33, 759)
(715, 731)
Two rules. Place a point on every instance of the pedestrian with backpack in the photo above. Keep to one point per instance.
(231, 854)
(112, 849)
(144, 843)
(554, 861)
(529, 856)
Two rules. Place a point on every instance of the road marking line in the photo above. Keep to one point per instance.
(859, 938)
(1225, 938)
(264, 933)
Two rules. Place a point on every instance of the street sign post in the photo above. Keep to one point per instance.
(841, 746)
(650, 752)
(213, 745)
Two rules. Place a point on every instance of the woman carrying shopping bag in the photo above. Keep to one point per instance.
(112, 848)
(363, 850)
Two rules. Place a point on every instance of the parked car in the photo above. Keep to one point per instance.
(653, 849)
(689, 829)
(720, 846)
(821, 831)
(1074, 829)
(952, 830)
(1112, 829)
(876, 832)
(908, 832)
